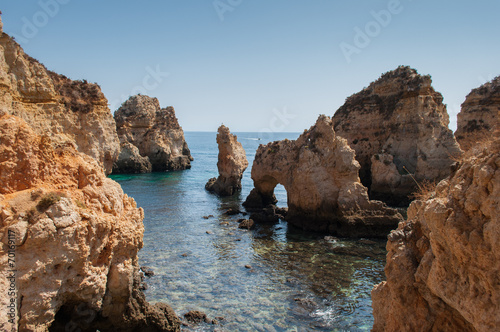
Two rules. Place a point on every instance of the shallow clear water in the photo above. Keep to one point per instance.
(295, 281)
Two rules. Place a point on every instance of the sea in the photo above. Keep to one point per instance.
(274, 277)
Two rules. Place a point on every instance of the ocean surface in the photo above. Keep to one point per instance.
(272, 278)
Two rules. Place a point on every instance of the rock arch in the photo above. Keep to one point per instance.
(321, 176)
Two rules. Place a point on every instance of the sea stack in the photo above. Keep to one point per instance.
(68, 111)
(443, 263)
(232, 162)
(398, 127)
(479, 118)
(156, 134)
(320, 174)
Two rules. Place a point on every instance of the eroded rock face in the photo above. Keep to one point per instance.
(155, 132)
(66, 110)
(76, 237)
(320, 175)
(443, 263)
(232, 163)
(479, 118)
(398, 124)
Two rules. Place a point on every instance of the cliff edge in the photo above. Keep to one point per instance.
(443, 263)
(52, 104)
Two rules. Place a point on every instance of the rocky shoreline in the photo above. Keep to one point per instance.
(61, 216)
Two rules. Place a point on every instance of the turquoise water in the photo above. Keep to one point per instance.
(272, 278)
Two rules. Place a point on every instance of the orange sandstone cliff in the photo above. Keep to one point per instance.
(52, 104)
(443, 263)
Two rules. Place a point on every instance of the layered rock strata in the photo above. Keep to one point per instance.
(320, 174)
(155, 132)
(66, 110)
(69, 239)
(443, 263)
(398, 127)
(479, 118)
(232, 162)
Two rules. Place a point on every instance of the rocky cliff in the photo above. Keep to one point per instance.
(231, 164)
(72, 236)
(155, 132)
(443, 263)
(320, 175)
(66, 110)
(398, 127)
(479, 118)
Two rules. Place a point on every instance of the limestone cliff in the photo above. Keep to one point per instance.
(320, 175)
(443, 263)
(231, 164)
(155, 132)
(399, 125)
(66, 110)
(479, 118)
(72, 236)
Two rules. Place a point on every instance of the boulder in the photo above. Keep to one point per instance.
(155, 132)
(320, 174)
(398, 124)
(73, 236)
(67, 111)
(130, 161)
(479, 118)
(231, 164)
(443, 262)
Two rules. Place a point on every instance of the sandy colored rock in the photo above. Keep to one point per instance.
(130, 160)
(401, 120)
(320, 174)
(443, 263)
(76, 237)
(479, 118)
(154, 131)
(231, 164)
(53, 105)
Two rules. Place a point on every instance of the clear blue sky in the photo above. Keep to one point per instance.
(258, 64)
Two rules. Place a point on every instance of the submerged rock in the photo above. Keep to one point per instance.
(53, 105)
(231, 164)
(398, 127)
(155, 132)
(479, 118)
(76, 237)
(320, 175)
(443, 263)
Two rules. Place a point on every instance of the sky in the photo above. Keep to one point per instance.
(258, 65)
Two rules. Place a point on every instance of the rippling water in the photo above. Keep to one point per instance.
(272, 278)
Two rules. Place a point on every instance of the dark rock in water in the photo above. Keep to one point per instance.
(248, 266)
(305, 302)
(197, 317)
(232, 212)
(208, 217)
(148, 272)
(246, 224)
